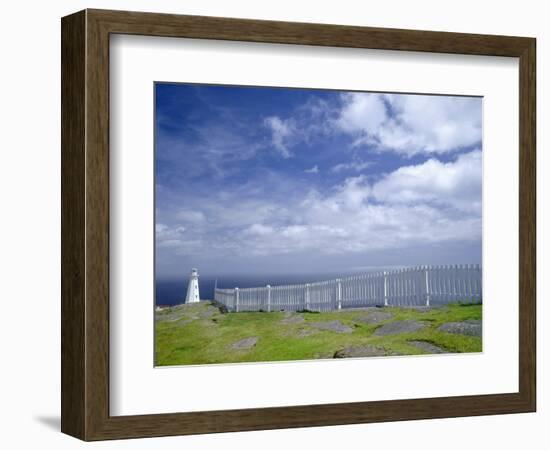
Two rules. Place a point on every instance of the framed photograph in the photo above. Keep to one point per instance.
(273, 225)
(312, 213)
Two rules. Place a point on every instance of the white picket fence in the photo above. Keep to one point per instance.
(413, 286)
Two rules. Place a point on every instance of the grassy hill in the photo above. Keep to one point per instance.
(201, 333)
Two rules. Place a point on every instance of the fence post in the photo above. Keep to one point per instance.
(427, 286)
(268, 298)
(385, 288)
(339, 293)
(236, 299)
(307, 296)
(480, 281)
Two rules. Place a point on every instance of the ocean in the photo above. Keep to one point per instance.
(172, 292)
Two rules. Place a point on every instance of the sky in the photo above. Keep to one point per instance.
(254, 180)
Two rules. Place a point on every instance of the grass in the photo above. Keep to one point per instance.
(201, 334)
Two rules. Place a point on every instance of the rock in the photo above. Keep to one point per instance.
(332, 325)
(374, 317)
(399, 327)
(219, 306)
(428, 347)
(468, 327)
(360, 352)
(305, 332)
(292, 319)
(245, 344)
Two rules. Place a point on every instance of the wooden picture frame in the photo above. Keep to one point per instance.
(85, 224)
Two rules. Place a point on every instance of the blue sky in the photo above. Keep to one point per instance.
(274, 180)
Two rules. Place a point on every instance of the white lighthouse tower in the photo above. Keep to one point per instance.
(193, 288)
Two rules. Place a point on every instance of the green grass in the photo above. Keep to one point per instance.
(201, 334)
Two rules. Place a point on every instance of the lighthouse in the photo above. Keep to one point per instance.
(193, 287)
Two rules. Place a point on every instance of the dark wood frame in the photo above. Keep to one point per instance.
(85, 224)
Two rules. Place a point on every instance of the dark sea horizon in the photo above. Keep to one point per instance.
(169, 292)
(172, 291)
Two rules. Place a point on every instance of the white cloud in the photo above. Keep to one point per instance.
(411, 124)
(403, 123)
(191, 216)
(362, 112)
(259, 229)
(429, 203)
(307, 123)
(355, 166)
(281, 132)
(314, 169)
(348, 196)
(160, 228)
(455, 183)
(169, 236)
